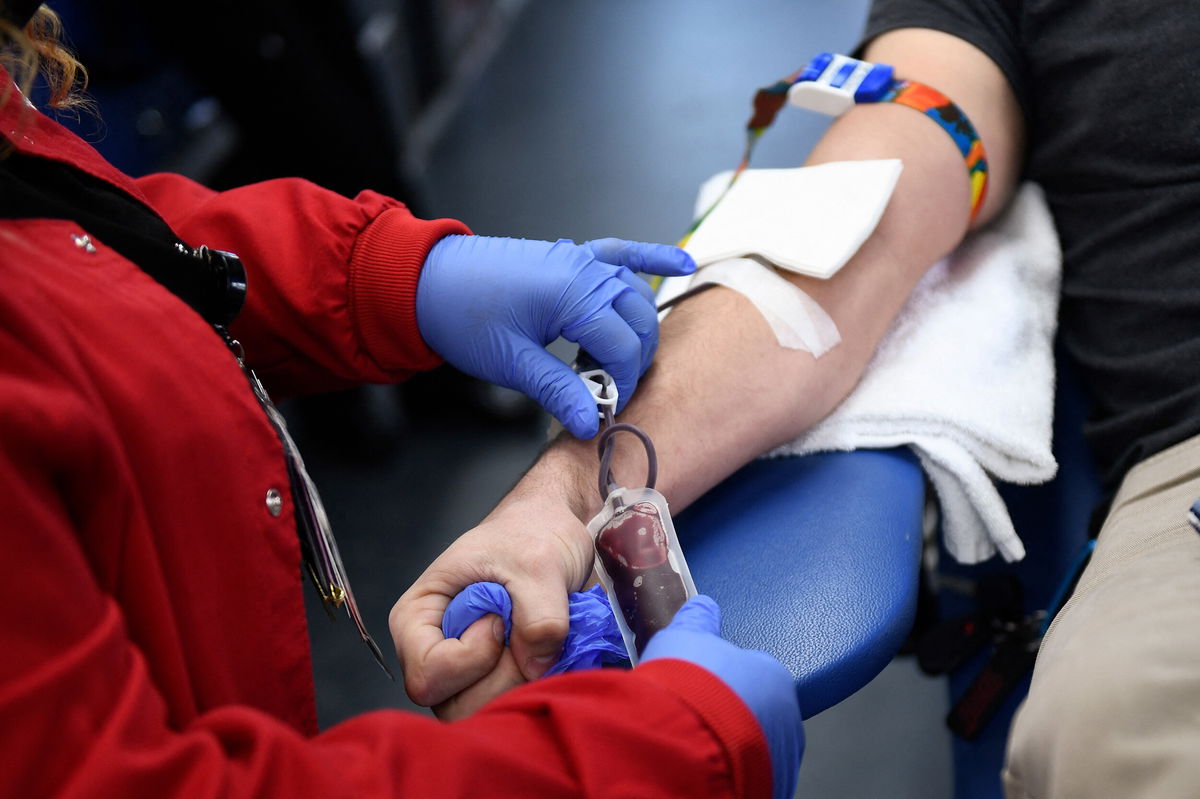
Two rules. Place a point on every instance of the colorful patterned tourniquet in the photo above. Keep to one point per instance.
(937, 106)
(770, 99)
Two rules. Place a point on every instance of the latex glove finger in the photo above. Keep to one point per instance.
(638, 284)
(474, 602)
(613, 344)
(557, 388)
(435, 667)
(653, 259)
(642, 317)
(699, 614)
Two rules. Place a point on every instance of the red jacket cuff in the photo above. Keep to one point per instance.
(384, 269)
(725, 714)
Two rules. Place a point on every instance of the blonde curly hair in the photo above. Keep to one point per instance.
(37, 49)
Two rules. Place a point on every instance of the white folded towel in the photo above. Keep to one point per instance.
(965, 377)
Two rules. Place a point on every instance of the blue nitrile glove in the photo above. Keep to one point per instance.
(593, 638)
(489, 306)
(759, 679)
(473, 603)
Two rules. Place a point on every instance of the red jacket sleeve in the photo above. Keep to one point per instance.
(81, 716)
(332, 280)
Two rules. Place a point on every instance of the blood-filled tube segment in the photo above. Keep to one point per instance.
(640, 564)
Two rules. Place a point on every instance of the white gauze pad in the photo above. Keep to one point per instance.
(809, 219)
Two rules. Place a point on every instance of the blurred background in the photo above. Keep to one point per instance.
(532, 118)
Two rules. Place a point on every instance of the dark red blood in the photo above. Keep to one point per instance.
(633, 545)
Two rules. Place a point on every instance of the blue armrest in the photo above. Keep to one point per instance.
(816, 560)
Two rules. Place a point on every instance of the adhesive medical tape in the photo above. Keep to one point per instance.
(798, 322)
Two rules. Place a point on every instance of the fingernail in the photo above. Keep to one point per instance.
(537, 666)
(498, 629)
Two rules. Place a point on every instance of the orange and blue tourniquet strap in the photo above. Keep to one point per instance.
(861, 82)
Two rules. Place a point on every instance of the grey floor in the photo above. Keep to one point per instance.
(590, 119)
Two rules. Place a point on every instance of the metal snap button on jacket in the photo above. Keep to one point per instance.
(274, 502)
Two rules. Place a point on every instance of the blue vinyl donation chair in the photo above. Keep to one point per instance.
(817, 560)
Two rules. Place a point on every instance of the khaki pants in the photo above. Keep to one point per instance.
(1114, 706)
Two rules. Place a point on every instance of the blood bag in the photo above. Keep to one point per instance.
(640, 564)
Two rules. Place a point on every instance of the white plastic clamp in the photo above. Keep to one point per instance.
(833, 83)
(602, 388)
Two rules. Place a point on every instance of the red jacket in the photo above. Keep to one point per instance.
(153, 630)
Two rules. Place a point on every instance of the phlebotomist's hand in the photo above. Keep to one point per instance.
(489, 306)
(758, 679)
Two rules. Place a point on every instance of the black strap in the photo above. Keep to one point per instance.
(212, 282)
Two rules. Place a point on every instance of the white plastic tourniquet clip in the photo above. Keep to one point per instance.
(602, 387)
(832, 84)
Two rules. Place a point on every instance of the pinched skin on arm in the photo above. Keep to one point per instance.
(721, 390)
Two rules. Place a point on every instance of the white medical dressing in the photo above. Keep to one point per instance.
(809, 220)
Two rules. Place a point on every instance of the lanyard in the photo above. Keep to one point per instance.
(767, 103)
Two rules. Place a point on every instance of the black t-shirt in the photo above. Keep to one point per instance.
(1111, 95)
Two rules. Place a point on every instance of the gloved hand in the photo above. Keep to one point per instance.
(759, 679)
(489, 306)
(593, 638)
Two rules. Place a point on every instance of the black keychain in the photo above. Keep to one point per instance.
(1015, 636)
(948, 644)
(1009, 666)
